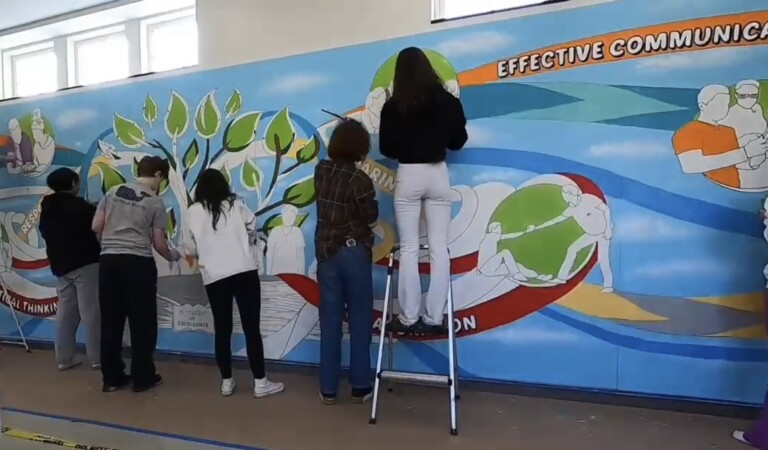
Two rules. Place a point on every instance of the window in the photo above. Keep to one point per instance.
(452, 9)
(169, 42)
(139, 37)
(98, 56)
(30, 70)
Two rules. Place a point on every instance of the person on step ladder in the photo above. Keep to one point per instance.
(418, 123)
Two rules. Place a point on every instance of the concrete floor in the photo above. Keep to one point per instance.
(91, 435)
(188, 407)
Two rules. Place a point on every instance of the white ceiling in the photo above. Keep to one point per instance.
(15, 13)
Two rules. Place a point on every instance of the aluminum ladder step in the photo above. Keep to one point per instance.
(390, 376)
(416, 378)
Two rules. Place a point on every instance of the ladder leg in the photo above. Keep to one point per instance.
(453, 379)
(390, 338)
(15, 317)
(455, 347)
(382, 336)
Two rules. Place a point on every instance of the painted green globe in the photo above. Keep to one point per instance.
(542, 250)
(386, 73)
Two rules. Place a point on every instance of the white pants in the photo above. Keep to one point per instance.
(427, 186)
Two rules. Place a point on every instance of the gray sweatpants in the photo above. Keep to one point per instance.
(78, 300)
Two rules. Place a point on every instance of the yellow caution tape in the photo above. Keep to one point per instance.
(40, 438)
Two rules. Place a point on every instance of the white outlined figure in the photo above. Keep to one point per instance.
(494, 263)
(746, 116)
(765, 235)
(707, 147)
(43, 149)
(594, 217)
(374, 102)
(6, 259)
(259, 247)
(747, 120)
(21, 155)
(285, 245)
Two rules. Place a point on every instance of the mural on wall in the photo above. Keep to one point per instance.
(604, 230)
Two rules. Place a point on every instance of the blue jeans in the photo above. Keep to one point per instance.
(345, 281)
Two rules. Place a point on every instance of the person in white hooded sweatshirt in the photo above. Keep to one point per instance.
(220, 231)
(418, 124)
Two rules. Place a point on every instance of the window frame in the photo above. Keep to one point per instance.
(438, 10)
(63, 37)
(9, 65)
(74, 40)
(145, 26)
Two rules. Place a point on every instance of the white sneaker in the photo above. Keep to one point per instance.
(264, 388)
(739, 436)
(227, 387)
(70, 365)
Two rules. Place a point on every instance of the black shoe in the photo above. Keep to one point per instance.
(396, 327)
(156, 381)
(421, 329)
(125, 381)
(361, 395)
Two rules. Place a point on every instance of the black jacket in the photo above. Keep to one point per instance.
(65, 224)
(423, 135)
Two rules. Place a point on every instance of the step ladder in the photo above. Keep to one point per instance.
(22, 341)
(391, 376)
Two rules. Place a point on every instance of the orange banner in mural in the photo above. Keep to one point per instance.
(675, 37)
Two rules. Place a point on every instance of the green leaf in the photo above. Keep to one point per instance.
(241, 131)
(135, 168)
(207, 117)
(309, 151)
(150, 110)
(225, 171)
(280, 133)
(234, 103)
(300, 194)
(177, 117)
(128, 132)
(277, 219)
(170, 223)
(164, 186)
(110, 177)
(191, 155)
(251, 176)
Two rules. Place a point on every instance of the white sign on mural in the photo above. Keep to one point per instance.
(193, 318)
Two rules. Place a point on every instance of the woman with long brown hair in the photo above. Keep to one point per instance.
(418, 124)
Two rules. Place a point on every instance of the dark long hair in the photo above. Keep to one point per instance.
(213, 192)
(415, 79)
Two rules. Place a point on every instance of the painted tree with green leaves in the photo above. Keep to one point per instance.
(239, 148)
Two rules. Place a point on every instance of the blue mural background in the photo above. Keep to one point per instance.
(684, 249)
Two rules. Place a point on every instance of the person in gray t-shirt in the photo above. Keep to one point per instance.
(130, 221)
(135, 213)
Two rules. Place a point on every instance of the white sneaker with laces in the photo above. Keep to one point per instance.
(264, 388)
(227, 387)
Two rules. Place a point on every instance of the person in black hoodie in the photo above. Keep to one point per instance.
(73, 253)
(418, 124)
